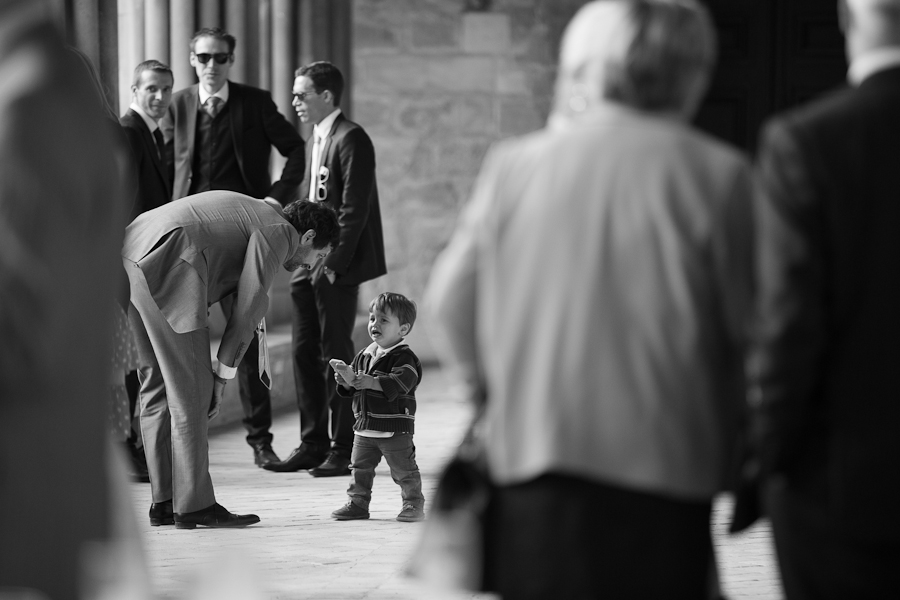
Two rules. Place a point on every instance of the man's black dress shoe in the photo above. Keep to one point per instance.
(300, 459)
(333, 466)
(263, 454)
(213, 516)
(161, 513)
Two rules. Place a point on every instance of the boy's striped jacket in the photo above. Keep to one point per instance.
(393, 409)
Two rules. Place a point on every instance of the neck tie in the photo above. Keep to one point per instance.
(314, 167)
(160, 143)
(263, 361)
(212, 106)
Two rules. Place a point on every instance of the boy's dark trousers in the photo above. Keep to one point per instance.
(400, 454)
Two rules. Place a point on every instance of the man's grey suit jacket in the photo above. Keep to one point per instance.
(200, 249)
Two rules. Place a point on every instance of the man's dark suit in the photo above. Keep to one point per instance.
(829, 340)
(324, 313)
(256, 126)
(154, 187)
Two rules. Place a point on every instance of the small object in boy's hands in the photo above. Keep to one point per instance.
(338, 365)
(343, 369)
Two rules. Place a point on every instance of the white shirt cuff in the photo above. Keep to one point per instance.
(225, 372)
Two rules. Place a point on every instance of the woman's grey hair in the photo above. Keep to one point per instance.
(647, 54)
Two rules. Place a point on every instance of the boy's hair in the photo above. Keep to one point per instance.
(396, 304)
(317, 216)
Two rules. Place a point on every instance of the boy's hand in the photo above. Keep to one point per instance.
(343, 374)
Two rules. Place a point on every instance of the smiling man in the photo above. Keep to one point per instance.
(220, 135)
(181, 258)
(151, 95)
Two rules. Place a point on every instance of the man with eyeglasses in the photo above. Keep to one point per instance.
(219, 135)
(340, 174)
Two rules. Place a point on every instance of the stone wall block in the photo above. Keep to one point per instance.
(462, 74)
(462, 158)
(391, 74)
(434, 30)
(472, 114)
(374, 114)
(394, 156)
(419, 115)
(367, 36)
(519, 116)
(485, 33)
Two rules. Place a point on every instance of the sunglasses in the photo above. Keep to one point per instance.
(220, 57)
(321, 191)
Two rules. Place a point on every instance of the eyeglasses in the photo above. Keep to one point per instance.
(321, 191)
(302, 96)
(220, 57)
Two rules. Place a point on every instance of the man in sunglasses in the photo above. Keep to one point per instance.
(341, 175)
(219, 135)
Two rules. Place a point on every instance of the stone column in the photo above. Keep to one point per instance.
(210, 14)
(283, 54)
(156, 30)
(181, 29)
(265, 44)
(131, 46)
(236, 25)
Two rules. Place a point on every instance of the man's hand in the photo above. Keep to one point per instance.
(216, 402)
(331, 275)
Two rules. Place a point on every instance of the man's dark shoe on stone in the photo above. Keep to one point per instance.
(213, 516)
(161, 513)
(350, 512)
(334, 465)
(137, 463)
(263, 454)
(300, 459)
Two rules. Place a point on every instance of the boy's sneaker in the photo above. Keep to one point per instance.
(349, 512)
(411, 513)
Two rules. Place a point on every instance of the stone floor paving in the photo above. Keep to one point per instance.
(298, 552)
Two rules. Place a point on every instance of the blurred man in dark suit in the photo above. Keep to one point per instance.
(61, 220)
(826, 393)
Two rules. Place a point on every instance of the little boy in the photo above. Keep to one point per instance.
(383, 380)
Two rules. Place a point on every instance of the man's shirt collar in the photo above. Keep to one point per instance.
(151, 124)
(871, 62)
(222, 93)
(321, 130)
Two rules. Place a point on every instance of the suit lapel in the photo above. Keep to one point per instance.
(304, 185)
(236, 116)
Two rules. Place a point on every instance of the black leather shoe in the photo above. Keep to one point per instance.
(333, 466)
(263, 454)
(137, 463)
(161, 513)
(213, 516)
(301, 458)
